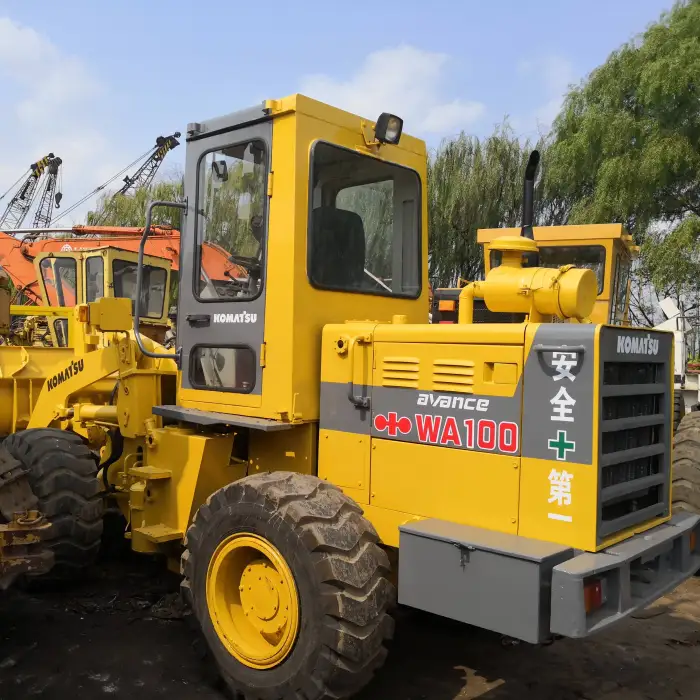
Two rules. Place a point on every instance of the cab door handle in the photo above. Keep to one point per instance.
(198, 319)
(361, 402)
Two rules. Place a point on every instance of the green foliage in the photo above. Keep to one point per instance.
(130, 210)
(626, 148)
(478, 184)
(627, 141)
(673, 258)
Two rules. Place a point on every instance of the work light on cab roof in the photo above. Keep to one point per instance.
(388, 128)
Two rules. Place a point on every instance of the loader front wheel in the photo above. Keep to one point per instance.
(62, 472)
(288, 585)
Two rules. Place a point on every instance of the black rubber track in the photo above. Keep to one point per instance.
(63, 476)
(341, 577)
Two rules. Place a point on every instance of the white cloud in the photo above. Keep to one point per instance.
(551, 75)
(51, 103)
(404, 80)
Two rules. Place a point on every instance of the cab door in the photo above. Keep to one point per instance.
(221, 321)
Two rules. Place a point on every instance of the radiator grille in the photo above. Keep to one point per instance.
(634, 454)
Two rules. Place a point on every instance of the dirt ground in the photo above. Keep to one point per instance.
(119, 635)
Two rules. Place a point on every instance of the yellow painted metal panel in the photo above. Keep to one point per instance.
(333, 116)
(558, 502)
(545, 234)
(336, 367)
(437, 482)
(463, 368)
(477, 334)
(222, 401)
(291, 450)
(199, 466)
(344, 460)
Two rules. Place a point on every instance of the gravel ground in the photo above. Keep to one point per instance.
(120, 634)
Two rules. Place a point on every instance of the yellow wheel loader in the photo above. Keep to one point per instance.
(23, 528)
(67, 278)
(51, 504)
(313, 451)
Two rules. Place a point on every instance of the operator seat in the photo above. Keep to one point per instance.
(337, 248)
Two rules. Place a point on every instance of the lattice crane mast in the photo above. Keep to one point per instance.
(143, 177)
(22, 201)
(49, 196)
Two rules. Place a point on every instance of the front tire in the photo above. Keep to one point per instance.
(62, 473)
(288, 584)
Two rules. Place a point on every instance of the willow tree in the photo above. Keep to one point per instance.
(626, 148)
(472, 184)
(130, 210)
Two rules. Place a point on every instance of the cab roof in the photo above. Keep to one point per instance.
(545, 234)
(301, 104)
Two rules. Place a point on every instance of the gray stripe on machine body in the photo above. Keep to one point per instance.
(405, 402)
(541, 424)
(337, 413)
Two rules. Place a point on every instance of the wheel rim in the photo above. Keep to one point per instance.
(252, 600)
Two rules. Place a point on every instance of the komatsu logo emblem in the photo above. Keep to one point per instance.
(64, 375)
(243, 317)
(637, 345)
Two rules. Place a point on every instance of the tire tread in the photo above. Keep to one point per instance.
(350, 566)
(63, 476)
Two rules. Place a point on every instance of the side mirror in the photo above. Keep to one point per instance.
(219, 171)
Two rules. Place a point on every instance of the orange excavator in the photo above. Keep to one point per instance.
(17, 255)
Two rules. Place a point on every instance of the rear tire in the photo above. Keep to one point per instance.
(62, 472)
(686, 465)
(678, 410)
(340, 597)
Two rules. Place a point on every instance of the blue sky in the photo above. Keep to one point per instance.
(97, 81)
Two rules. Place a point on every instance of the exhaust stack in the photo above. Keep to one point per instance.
(533, 163)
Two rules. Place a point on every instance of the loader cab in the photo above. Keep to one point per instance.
(604, 248)
(324, 222)
(70, 278)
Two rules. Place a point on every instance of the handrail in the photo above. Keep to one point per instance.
(139, 281)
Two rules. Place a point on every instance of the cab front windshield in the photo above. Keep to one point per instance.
(59, 277)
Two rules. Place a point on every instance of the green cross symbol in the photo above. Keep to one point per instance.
(561, 445)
